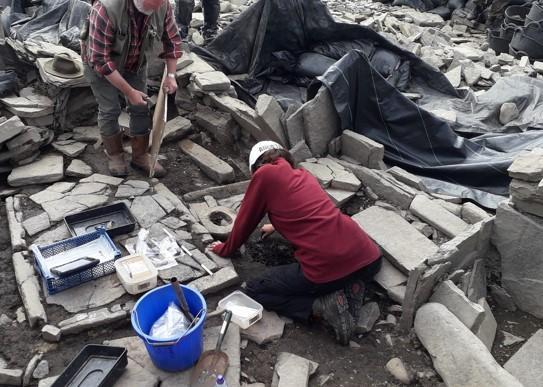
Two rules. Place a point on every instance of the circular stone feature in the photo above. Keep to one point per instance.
(218, 220)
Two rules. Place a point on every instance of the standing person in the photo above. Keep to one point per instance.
(211, 10)
(335, 256)
(115, 50)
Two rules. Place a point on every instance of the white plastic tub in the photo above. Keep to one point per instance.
(245, 310)
(137, 273)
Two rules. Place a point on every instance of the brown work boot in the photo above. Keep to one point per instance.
(333, 308)
(141, 158)
(113, 146)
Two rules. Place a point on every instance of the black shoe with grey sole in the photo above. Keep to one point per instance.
(333, 308)
(355, 297)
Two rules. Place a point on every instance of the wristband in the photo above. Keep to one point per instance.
(171, 75)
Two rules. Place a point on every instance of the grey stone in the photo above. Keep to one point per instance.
(397, 368)
(70, 148)
(211, 165)
(525, 191)
(268, 329)
(321, 122)
(58, 209)
(132, 188)
(48, 382)
(295, 127)
(219, 192)
(458, 356)
(527, 363)
(510, 339)
(508, 112)
(300, 152)
(46, 170)
(182, 272)
(165, 203)
(538, 67)
(37, 224)
(146, 211)
(42, 370)
(437, 216)
(176, 129)
(322, 172)
(11, 377)
(220, 125)
(89, 189)
(58, 233)
(61, 187)
(477, 282)
(472, 73)
(487, 330)
(220, 231)
(369, 314)
(292, 370)
(212, 81)
(99, 178)
(401, 243)
(173, 223)
(528, 166)
(532, 208)
(179, 205)
(518, 239)
(362, 149)
(46, 196)
(78, 168)
(470, 313)
(29, 290)
(4, 320)
(51, 333)
(269, 113)
(339, 196)
(221, 279)
(11, 128)
(502, 298)
(345, 180)
(32, 364)
(16, 230)
(471, 213)
(388, 276)
(423, 228)
(86, 134)
(84, 321)
(90, 295)
(407, 178)
(136, 376)
(455, 76)
(219, 261)
(424, 19)
(397, 293)
(30, 136)
(463, 51)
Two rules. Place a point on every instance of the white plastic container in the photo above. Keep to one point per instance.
(137, 273)
(245, 310)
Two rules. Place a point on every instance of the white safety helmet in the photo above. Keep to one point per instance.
(259, 149)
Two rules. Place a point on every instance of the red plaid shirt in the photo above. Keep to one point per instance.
(96, 51)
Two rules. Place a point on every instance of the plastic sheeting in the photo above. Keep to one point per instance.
(417, 140)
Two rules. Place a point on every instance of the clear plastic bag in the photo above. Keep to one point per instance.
(172, 323)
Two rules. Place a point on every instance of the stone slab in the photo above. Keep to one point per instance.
(46, 170)
(269, 113)
(212, 81)
(78, 168)
(70, 148)
(135, 375)
(477, 282)
(37, 224)
(58, 233)
(221, 279)
(89, 295)
(82, 322)
(437, 216)
(528, 166)
(472, 213)
(295, 127)
(146, 211)
(268, 329)
(527, 363)
(321, 122)
(29, 289)
(11, 377)
(407, 178)
(487, 330)
(369, 314)
(11, 128)
(177, 128)
(215, 168)
(339, 196)
(99, 178)
(458, 356)
(292, 370)
(367, 152)
(402, 244)
(389, 277)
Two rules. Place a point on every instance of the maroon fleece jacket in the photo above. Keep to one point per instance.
(328, 244)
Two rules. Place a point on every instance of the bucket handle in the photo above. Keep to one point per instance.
(168, 343)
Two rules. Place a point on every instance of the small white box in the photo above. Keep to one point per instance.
(245, 310)
(137, 273)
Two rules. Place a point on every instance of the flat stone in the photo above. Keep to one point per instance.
(98, 178)
(48, 382)
(425, 19)
(46, 196)
(29, 289)
(463, 51)
(477, 282)
(177, 128)
(51, 333)
(455, 76)
(42, 370)
(532, 208)
(58, 233)
(339, 196)
(437, 216)
(527, 363)
(70, 148)
(471, 73)
(369, 314)
(397, 368)
(89, 188)
(212, 81)
(292, 370)
(86, 134)
(146, 211)
(11, 377)
(502, 298)
(182, 272)
(323, 174)
(508, 112)
(88, 201)
(470, 313)
(58, 209)
(528, 166)
(518, 239)
(345, 180)
(78, 168)
(458, 356)
(165, 203)
(268, 329)
(31, 135)
(84, 321)
(31, 366)
(16, 230)
(211, 165)
(37, 224)
(389, 277)
(510, 339)
(197, 66)
(221, 279)
(135, 375)
(173, 223)
(219, 261)
(61, 187)
(472, 213)
(132, 188)
(219, 124)
(11, 128)
(487, 330)
(90, 295)
(218, 231)
(423, 228)
(179, 205)
(269, 113)
(401, 243)
(321, 122)
(294, 125)
(46, 170)
(362, 149)
(407, 178)
(300, 152)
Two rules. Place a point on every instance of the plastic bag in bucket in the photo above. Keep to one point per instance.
(172, 354)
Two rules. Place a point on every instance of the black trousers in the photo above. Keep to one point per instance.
(211, 10)
(285, 290)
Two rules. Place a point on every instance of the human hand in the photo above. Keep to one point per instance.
(214, 244)
(170, 85)
(137, 98)
(266, 231)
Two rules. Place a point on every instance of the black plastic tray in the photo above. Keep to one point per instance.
(117, 216)
(95, 366)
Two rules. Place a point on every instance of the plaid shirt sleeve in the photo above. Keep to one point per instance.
(171, 38)
(100, 41)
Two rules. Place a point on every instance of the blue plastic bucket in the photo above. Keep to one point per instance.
(174, 353)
